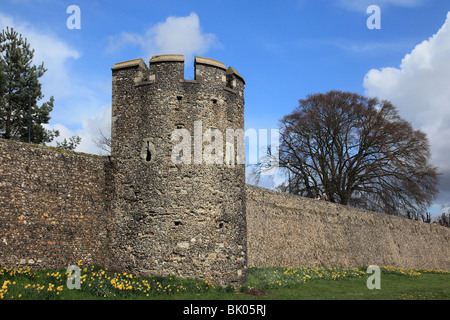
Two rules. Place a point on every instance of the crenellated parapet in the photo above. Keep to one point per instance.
(215, 95)
(169, 70)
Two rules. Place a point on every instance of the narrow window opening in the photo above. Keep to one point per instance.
(149, 154)
(213, 139)
(229, 82)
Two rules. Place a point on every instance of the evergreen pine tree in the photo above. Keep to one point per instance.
(20, 91)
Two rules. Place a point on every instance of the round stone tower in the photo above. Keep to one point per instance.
(179, 183)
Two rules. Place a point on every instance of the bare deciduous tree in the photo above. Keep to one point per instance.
(104, 141)
(359, 152)
(444, 219)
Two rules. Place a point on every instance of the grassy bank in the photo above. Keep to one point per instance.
(274, 283)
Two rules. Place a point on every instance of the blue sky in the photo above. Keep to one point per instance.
(284, 50)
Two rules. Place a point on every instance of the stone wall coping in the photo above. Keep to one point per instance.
(210, 62)
(231, 71)
(260, 193)
(167, 58)
(129, 64)
(51, 149)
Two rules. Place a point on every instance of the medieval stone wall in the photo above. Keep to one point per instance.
(290, 230)
(55, 210)
(142, 212)
(52, 207)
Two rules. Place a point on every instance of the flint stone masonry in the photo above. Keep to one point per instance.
(55, 211)
(289, 230)
(137, 211)
(52, 206)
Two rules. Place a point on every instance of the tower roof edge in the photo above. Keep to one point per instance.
(130, 63)
(210, 62)
(167, 58)
(232, 70)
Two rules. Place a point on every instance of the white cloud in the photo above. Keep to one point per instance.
(48, 48)
(77, 104)
(419, 87)
(89, 132)
(59, 80)
(176, 35)
(91, 129)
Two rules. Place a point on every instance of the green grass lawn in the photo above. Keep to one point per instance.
(393, 287)
(276, 283)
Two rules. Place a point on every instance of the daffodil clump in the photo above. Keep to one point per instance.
(96, 282)
(410, 272)
(283, 277)
(400, 271)
(99, 282)
(20, 283)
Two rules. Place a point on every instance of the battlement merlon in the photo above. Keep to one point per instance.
(134, 70)
(210, 70)
(215, 71)
(166, 67)
(170, 67)
(130, 64)
(235, 81)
